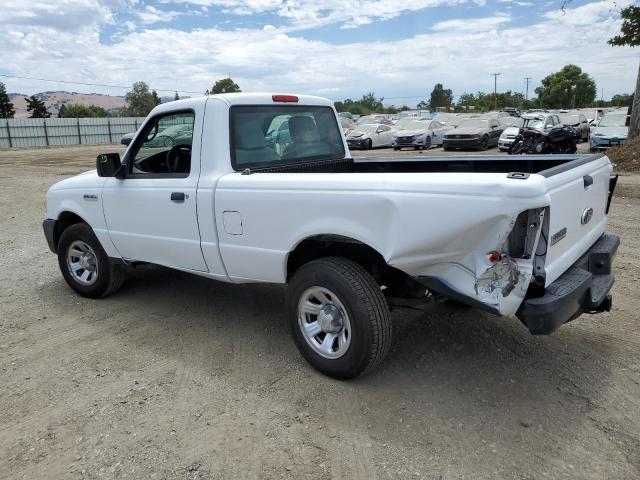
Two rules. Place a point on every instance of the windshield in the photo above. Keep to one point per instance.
(369, 128)
(415, 125)
(570, 119)
(534, 123)
(264, 136)
(515, 122)
(401, 124)
(474, 123)
(615, 120)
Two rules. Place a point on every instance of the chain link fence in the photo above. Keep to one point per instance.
(43, 132)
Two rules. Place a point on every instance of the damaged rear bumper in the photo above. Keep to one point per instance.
(583, 288)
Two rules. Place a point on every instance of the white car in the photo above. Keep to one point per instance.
(509, 134)
(244, 202)
(368, 136)
(419, 135)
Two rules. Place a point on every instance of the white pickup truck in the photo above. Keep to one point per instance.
(262, 188)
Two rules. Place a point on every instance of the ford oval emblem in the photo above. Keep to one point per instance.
(586, 216)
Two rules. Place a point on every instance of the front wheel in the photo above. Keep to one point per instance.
(368, 145)
(484, 143)
(85, 265)
(338, 316)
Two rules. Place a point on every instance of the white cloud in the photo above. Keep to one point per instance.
(473, 24)
(272, 59)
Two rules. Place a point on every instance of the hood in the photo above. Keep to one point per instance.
(88, 179)
(510, 131)
(357, 134)
(408, 133)
(620, 132)
(467, 131)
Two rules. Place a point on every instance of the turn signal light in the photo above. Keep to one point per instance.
(285, 98)
(494, 257)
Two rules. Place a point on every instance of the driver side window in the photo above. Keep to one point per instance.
(166, 146)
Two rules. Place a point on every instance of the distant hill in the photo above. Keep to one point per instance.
(54, 100)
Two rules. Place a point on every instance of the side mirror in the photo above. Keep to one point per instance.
(108, 165)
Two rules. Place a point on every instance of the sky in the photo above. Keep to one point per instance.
(339, 49)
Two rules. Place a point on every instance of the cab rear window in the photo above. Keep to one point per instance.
(264, 136)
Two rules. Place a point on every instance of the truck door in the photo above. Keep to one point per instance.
(151, 213)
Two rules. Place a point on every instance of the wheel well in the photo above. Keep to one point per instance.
(65, 220)
(320, 246)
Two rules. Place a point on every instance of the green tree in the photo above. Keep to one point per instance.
(6, 107)
(140, 101)
(226, 85)
(81, 111)
(630, 36)
(622, 100)
(440, 97)
(570, 87)
(176, 97)
(37, 107)
(156, 98)
(370, 103)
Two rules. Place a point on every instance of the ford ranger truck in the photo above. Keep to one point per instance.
(261, 188)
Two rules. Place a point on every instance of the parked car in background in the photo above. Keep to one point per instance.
(370, 136)
(171, 136)
(401, 123)
(509, 134)
(419, 134)
(579, 122)
(347, 124)
(348, 115)
(373, 119)
(612, 129)
(474, 133)
(450, 119)
(513, 111)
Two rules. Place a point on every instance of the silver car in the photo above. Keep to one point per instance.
(611, 130)
(579, 122)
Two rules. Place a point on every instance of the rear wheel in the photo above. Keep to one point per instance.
(85, 265)
(484, 143)
(427, 143)
(338, 316)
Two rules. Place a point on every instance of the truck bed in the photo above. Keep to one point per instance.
(546, 165)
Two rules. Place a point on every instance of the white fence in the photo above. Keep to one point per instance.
(42, 132)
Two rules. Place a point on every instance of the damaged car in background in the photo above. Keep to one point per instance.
(419, 134)
(516, 236)
(474, 133)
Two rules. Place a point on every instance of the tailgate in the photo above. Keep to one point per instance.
(577, 213)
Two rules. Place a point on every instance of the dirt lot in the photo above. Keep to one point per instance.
(181, 377)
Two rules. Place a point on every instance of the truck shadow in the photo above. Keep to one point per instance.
(474, 370)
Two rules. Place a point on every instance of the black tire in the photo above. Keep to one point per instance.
(396, 148)
(484, 143)
(368, 144)
(365, 305)
(446, 148)
(427, 144)
(110, 276)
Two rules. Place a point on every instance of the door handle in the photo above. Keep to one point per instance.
(588, 180)
(178, 196)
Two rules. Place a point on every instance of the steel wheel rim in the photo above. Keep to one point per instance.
(82, 263)
(324, 322)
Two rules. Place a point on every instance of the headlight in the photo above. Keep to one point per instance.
(422, 136)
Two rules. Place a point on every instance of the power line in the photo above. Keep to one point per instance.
(93, 84)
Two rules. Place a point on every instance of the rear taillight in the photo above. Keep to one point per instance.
(285, 98)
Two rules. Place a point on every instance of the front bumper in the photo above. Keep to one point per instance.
(583, 288)
(605, 142)
(49, 227)
(505, 143)
(355, 143)
(461, 142)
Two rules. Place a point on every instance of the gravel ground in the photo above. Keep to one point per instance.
(181, 377)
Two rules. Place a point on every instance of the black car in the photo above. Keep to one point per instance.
(474, 133)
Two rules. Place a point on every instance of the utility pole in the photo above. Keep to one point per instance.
(526, 95)
(495, 90)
